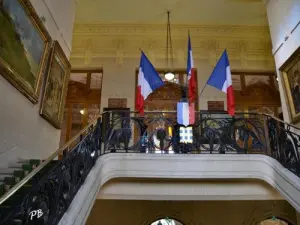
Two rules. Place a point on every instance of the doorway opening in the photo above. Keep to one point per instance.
(166, 98)
(82, 102)
(163, 102)
(256, 92)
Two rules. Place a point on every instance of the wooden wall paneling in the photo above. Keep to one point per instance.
(85, 115)
(69, 123)
(88, 81)
(79, 93)
(243, 82)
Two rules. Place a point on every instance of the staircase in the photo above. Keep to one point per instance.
(35, 192)
(16, 172)
(49, 185)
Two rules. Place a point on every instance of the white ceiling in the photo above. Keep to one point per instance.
(227, 12)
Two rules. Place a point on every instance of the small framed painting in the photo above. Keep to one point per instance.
(24, 47)
(56, 87)
(291, 82)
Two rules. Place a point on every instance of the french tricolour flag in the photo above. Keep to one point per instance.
(148, 81)
(186, 109)
(185, 113)
(221, 79)
(192, 84)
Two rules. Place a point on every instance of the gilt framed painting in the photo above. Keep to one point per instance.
(291, 82)
(56, 87)
(24, 47)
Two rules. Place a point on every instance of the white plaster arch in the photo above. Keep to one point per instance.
(183, 166)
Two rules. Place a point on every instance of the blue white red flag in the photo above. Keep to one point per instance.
(191, 73)
(185, 113)
(148, 81)
(221, 79)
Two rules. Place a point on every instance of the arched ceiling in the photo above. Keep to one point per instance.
(227, 12)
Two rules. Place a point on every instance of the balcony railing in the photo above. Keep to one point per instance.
(213, 133)
(55, 183)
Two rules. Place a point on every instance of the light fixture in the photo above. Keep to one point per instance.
(169, 76)
(169, 51)
(81, 111)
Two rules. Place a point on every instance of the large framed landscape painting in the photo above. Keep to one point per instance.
(24, 47)
(291, 77)
(56, 87)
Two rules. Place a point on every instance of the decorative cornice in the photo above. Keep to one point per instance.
(120, 41)
(160, 29)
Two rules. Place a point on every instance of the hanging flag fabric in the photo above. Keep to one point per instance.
(148, 81)
(191, 74)
(185, 113)
(221, 79)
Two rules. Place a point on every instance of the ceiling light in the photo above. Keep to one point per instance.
(169, 52)
(82, 112)
(169, 76)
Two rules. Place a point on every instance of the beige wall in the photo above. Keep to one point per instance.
(283, 16)
(159, 189)
(113, 212)
(23, 133)
(115, 47)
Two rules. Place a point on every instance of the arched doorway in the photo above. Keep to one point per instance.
(164, 98)
(166, 221)
(274, 221)
(256, 92)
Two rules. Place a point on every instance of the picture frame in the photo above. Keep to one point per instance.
(290, 72)
(24, 47)
(56, 86)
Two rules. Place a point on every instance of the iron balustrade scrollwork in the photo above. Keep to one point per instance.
(54, 188)
(157, 132)
(285, 144)
(213, 133)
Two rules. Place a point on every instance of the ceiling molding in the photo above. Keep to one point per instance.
(160, 29)
(245, 44)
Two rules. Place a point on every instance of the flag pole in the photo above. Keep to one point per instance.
(202, 89)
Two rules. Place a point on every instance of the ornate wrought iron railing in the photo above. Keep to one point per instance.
(213, 132)
(44, 195)
(55, 183)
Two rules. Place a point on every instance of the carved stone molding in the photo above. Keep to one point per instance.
(197, 167)
(160, 29)
(120, 41)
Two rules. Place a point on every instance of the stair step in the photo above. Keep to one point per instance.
(19, 173)
(9, 177)
(2, 190)
(17, 222)
(2, 176)
(27, 168)
(9, 180)
(6, 170)
(34, 161)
